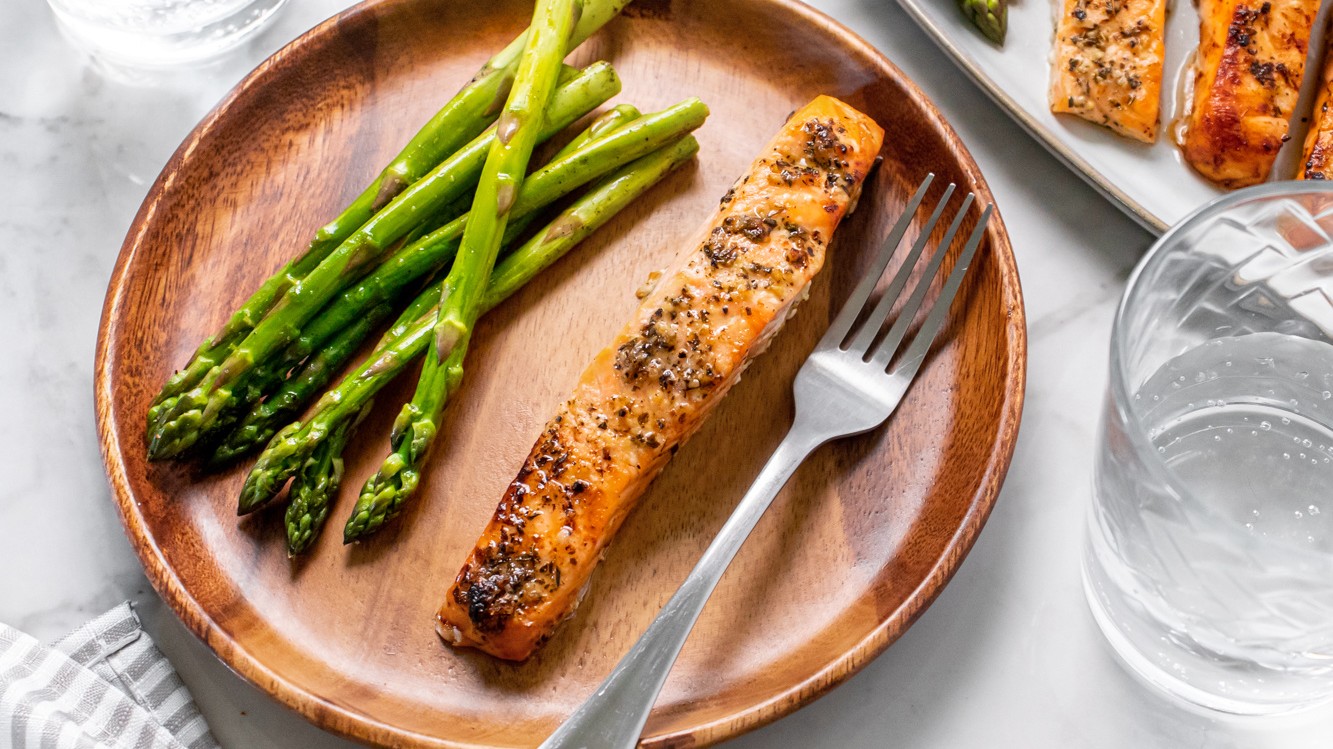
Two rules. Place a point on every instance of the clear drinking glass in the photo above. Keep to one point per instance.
(160, 33)
(1209, 557)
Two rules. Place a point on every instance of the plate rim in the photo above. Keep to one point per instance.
(1043, 135)
(350, 723)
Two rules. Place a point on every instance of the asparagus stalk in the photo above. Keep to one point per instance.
(384, 495)
(593, 14)
(316, 484)
(196, 410)
(465, 116)
(474, 107)
(288, 390)
(301, 441)
(285, 403)
(440, 136)
(619, 141)
(415, 429)
(267, 379)
(611, 149)
(470, 111)
(610, 120)
(991, 17)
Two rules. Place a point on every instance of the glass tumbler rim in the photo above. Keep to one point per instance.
(1119, 376)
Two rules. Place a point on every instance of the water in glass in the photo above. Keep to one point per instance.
(1209, 561)
(160, 33)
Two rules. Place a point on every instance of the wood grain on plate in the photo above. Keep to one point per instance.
(861, 541)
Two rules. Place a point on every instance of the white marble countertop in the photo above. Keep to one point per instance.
(1007, 657)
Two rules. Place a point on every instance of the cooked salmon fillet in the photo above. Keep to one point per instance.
(1107, 64)
(1247, 77)
(642, 396)
(1317, 157)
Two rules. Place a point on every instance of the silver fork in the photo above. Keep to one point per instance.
(845, 387)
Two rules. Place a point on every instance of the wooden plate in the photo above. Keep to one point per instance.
(861, 541)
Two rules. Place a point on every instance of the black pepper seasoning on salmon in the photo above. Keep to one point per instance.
(692, 335)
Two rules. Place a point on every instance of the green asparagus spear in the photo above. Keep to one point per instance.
(990, 16)
(613, 148)
(316, 484)
(384, 495)
(268, 378)
(336, 347)
(608, 121)
(336, 341)
(593, 15)
(302, 440)
(470, 111)
(285, 402)
(196, 410)
(288, 390)
(414, 430)
(450, 128)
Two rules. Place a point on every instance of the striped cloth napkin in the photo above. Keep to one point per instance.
(105, 686)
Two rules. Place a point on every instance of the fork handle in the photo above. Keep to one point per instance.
(614, 716)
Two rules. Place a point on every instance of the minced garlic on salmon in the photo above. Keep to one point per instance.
(642, 396)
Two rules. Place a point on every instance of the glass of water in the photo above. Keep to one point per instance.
(1209, 557)
(133, 34)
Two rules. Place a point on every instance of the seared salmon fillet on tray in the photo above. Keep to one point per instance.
(1107, 64)
(726, 295)
(1317, 156)
(1247, 78)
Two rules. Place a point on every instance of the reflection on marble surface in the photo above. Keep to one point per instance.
(1008, 655)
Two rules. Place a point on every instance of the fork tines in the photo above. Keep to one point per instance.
(865, 337)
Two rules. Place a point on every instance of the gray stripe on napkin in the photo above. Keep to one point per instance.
(105, 686)
(131, 660)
